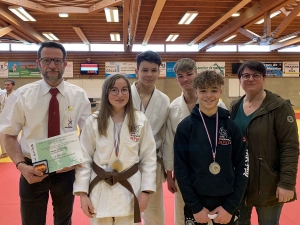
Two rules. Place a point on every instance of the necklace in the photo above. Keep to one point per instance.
(255, 102)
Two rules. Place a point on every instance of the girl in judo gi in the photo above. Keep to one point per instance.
(119, 169)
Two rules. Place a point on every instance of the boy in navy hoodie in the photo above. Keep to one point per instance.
(211, 162)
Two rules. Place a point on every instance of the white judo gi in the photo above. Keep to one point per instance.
(178, 111)
(139, 146)
(156, 112)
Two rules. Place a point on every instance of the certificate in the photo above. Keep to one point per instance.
(57, 152)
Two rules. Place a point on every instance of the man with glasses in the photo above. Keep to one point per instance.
(268, 123)
(44, 109)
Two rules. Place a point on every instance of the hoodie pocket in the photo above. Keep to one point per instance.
(212, 185)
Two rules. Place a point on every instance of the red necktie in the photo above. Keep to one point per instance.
(53, 118)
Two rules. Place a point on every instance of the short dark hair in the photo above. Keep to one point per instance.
(148, 56)
(11, 81)
(252, 65)
(208, 79)
(52, 44)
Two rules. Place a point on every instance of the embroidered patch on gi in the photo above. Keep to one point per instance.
(290, 119)
(224, 138)
(136, 134)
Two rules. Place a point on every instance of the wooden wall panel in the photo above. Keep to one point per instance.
(288, 88)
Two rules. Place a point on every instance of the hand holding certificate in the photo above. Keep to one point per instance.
(55, 153)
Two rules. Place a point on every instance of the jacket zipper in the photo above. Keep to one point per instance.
(260, 159)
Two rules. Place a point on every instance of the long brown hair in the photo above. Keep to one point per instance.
(106, 109)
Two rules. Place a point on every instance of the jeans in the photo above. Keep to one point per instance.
(267, 215)
(34, 199)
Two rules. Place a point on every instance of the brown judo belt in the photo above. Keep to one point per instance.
(112, 178)
(161, 162)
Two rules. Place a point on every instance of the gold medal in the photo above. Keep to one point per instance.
(214, 168)
(117, 166)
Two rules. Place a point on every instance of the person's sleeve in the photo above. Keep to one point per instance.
(286, 132)
(147, 162)
(240, 160)
(88, 146)
(168, 153)
(12, 117)
(181, 168)
(86, 110)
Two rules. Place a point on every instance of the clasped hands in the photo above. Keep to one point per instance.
(223, 217)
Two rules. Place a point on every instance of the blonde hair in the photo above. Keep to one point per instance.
(185, 65)
(106, 109)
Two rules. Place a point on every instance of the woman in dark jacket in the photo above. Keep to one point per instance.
(269, 125)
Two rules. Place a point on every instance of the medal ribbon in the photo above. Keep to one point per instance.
(141, 105)
(116, 140)
(214, 152)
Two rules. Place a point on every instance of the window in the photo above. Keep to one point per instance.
(254, 48)
(290, 49)
(182, 48)
(107, 47)
(4, 47)
(223, 48)
(76, 47)
(24, 47)
(141, 48)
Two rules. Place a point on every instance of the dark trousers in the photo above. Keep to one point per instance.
(34, 199)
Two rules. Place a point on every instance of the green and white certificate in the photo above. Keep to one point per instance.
(57, 152)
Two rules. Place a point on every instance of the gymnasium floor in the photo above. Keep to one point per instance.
(10, 213)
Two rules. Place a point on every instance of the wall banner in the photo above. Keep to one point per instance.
(290, 69)
(3, 70)
(169, 70)
(68, 70)
(273, 68)
(23, 69)
(125, 68)
(219, 67)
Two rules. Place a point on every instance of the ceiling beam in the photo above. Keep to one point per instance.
(16, 37)
(247, 33)
(267, 24)
(276, 8)
(287, 43)
(81, 35)
(133, 20)
(155, 15)
(5, 30)
(26, 4)
(126, 9)
(67, 9)
(19, 24)
(287, 20)
(104, 3)
(220, 21)
(248, 16)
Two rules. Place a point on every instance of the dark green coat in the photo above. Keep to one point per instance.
(273, 145)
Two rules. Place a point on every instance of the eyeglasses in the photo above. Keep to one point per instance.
(47, 61)
(246, 76)
(115, 91)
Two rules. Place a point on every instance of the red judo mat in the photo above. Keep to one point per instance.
(10, 207)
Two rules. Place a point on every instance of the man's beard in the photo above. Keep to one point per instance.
(53, 79)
